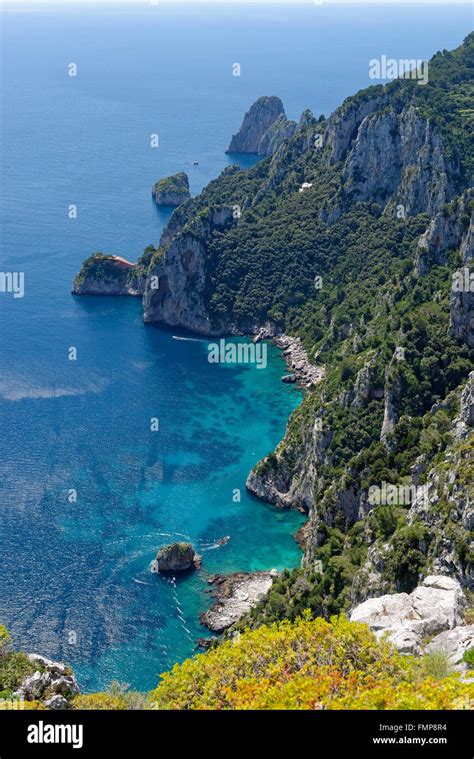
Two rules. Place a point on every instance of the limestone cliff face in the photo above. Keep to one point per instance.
(262, 114)
(176, 281)
(448, 230)
(106, 275)
(279, 482)
(443, 505)
(398, 159)
(344, 123)
(462, 306)
(281, 129)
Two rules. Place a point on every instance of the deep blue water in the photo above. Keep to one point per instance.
(83, 567)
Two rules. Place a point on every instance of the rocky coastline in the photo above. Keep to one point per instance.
(233, 596)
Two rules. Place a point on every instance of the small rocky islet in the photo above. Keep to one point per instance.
(176, 557)
(171, 191)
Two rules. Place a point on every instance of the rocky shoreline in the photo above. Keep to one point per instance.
(234, 595)
(305, 373)
(302, 370)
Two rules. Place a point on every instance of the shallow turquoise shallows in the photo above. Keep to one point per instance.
(75, 580)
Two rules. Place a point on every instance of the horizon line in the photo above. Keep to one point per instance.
(320, 3)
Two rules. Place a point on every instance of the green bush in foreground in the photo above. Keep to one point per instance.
(307, 664)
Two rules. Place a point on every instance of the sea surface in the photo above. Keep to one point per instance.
(88, 492)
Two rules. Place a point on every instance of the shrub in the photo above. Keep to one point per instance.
(305, 665)
(5, 640)
(469, 657)
(14, 667)
(435, 664)
(99, 701)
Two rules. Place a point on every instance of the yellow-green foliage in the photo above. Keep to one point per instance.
(306, 665)
(5, 640)
(102, 701)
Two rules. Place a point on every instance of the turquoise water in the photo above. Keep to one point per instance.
(75, 581)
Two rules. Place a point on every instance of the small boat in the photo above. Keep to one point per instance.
(224, 540)
(194, 163)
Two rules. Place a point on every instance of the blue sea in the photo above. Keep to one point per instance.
(75, 580)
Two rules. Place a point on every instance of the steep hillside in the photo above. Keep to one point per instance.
(355, 235)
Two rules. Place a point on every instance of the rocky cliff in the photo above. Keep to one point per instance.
(276, 134)
(176, 280)
(258, 119)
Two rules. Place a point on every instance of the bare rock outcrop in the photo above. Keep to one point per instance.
(281, 129)
(398, 159)
(454, 644)
(461, 306)
(448, 230)
(234, 596)
(436, 605)
(53, 683)
(261, 115)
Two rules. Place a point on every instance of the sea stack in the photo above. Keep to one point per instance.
(262, 114)
(176, 557)
(172, 191)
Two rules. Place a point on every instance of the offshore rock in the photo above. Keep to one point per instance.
(176, 557)
(262, 114)
(172, 191)
(108, 275)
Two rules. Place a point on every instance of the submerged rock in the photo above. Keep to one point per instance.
(176, 557)
(262, 114)
(172, 191)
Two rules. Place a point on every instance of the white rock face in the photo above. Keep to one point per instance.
(453, 643)
(55, 681)
(435, 606)
(235, 595)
